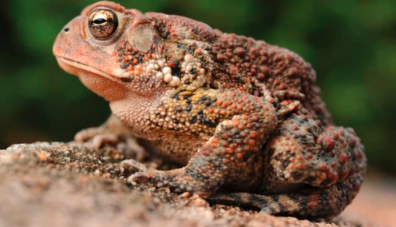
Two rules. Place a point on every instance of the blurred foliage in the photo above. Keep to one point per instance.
(351, 44)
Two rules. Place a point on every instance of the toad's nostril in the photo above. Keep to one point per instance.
(66, 29)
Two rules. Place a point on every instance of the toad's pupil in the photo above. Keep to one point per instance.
(99, 21)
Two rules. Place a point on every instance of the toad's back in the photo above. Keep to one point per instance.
(234, 61)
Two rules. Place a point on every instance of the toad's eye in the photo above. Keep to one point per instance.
(102, 23)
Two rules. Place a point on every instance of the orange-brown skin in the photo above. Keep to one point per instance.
(243, 116)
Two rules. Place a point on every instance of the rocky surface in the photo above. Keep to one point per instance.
(72, 184)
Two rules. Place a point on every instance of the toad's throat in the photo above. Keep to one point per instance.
(103, 84)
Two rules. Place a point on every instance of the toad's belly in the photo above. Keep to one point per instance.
(174, 146)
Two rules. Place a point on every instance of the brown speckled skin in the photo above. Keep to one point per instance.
(243, 116)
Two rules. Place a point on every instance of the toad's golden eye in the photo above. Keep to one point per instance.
(102, 23)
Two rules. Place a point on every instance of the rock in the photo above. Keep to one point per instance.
(58, 184)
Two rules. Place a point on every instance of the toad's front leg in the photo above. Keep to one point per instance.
(113, 132)
(245, 122)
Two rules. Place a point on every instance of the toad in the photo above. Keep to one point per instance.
(243, 117)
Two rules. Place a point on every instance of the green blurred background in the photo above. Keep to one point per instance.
(351, 44)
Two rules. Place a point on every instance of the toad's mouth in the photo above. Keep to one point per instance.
(78, 68)
(108, 86)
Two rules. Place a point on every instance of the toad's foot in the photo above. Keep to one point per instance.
(179, 179)
(313, 203)
(96, 136)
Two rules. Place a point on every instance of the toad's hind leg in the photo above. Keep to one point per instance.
(328, 164)
(302, 150)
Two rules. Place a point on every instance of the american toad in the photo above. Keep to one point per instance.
(242, 116)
